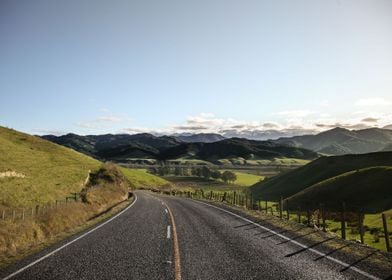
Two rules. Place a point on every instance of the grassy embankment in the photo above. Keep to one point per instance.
(34, 172)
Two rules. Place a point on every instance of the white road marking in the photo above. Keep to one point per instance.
(346, 265)
(168, 232)
(69, 243)
(166, 211)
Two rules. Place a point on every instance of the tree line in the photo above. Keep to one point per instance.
(201, 172)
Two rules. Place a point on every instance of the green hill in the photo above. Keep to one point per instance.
(35, 171)
(294, 181)
(368, 188)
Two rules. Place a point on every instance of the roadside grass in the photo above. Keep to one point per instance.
(107, 187)
(141, 178)
(377, 260)
(51, 171)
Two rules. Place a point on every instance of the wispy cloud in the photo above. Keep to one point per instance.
(370, 120)
(295, 113)
(377, 101)
(100, 121)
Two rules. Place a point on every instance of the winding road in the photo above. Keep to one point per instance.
(162, 237)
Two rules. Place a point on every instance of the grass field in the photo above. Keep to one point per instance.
(246, 179)
(140, 178)
(48, 171)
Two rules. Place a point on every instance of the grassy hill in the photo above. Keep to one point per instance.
(45, 171)
(294, 181)
(140, 178)
(35, 171)
(368, 188)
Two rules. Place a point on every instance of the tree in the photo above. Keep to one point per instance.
(215, 174)
(229, 177)
(206, 172)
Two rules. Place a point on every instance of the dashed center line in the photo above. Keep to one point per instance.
(168, 232)
(166, 211)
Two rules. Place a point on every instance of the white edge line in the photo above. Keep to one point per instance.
(69, 243)
(297, 243)
(168, 232)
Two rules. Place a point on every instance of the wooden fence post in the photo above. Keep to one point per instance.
(299, 215)
(3, 215)
(343, 220)
(323, 217)
(234, 198)
(308, 216)
(287, 209)
(259, 205)
(360, 226)
(23, 214)
(281, 208)
(13, 214)
(386, 233)
(266, 206)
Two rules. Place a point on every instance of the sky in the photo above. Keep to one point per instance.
(232, 67)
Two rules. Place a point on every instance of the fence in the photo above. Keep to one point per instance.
(348, 220)
(15, 214)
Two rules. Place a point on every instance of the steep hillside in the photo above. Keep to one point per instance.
(339, 141)
(294, 181)
(39, 171)
(368, 188)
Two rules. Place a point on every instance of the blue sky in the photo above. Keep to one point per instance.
(201, 66)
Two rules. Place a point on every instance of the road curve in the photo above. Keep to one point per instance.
(199, 241)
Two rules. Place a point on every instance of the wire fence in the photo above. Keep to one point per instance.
(347, 220)
(38, 210)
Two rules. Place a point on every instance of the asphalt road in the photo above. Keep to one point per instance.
(160, 237)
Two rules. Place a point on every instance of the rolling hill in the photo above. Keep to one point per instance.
(35, 171)
(340, 141)
(123, 148)
(47, 171)
(368, 188)
(292, 182)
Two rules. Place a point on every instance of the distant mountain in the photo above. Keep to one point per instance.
(262, 135)
(388, 126)
(200, 137)
(234, 148)
(125, 147)
(324, 168)
(115, 146)
(340, 141)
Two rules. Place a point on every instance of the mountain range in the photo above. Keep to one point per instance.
(341, 141)
(124, 147)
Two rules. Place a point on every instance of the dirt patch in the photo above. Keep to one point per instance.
(10, 173)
